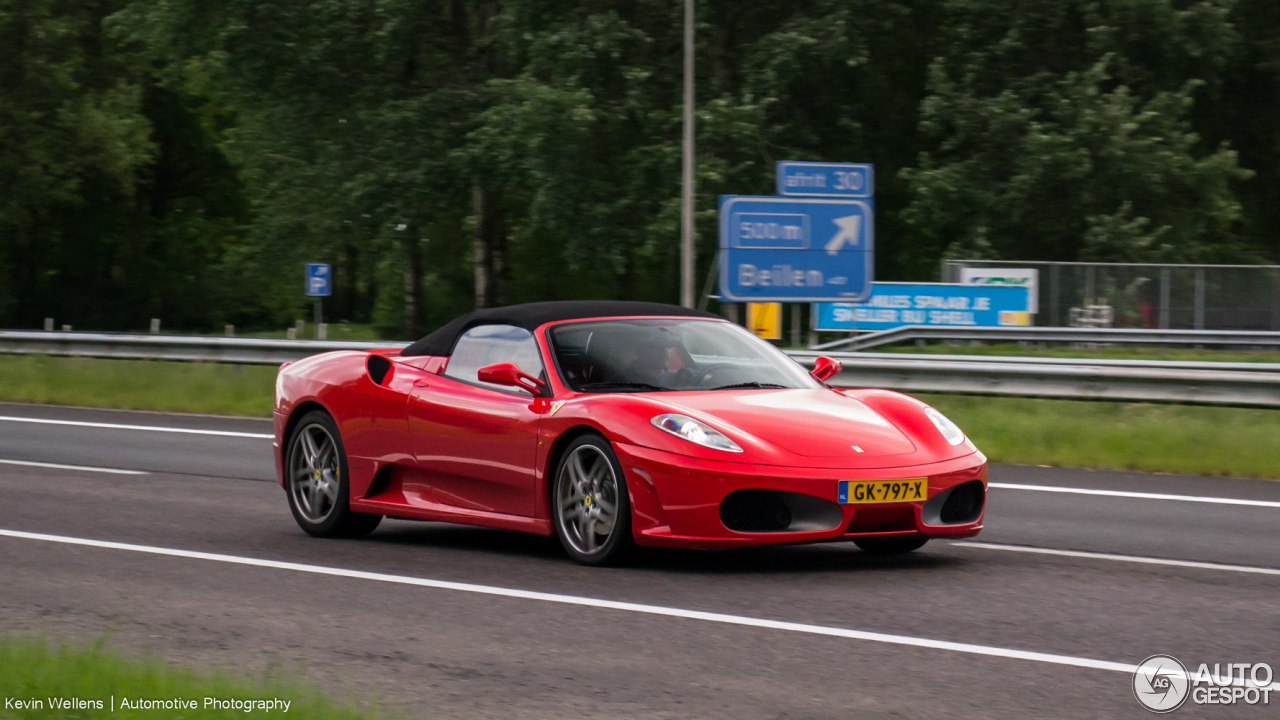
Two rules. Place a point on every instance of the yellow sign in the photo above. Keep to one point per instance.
(1015, 317)
(765, 320)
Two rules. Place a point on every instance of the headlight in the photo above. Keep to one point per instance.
(699, 433)
(949, 430)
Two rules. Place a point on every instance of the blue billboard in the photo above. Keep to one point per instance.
(782, 249)
(894, 304)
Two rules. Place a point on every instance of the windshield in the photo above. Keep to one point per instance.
(647, 354)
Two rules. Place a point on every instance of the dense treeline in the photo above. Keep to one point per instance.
(182, 158)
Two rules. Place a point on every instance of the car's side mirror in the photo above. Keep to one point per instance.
(825, 367)
(511, 375)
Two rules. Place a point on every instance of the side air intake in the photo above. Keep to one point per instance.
(379, 367)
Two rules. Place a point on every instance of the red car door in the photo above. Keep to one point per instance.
(476, 443)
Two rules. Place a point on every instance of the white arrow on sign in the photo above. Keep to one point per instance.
(849, 227)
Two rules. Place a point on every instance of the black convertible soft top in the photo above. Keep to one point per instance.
(532, 315)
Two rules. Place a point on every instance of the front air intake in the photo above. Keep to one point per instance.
(769, 511)
(964, 505)
(957, 505)
(755, 511)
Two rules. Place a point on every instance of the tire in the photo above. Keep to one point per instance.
(891, 545)
(318, 482)
(590, 496)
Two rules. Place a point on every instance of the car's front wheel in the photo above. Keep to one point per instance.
(590, 503)
(317, 481)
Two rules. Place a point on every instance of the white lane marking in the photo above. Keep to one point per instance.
(602, 604)
(1141, 496)
(1121, 558)
(590, 602)
(147, 428)
(85, 468)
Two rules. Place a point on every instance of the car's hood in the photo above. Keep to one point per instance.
(809, 423)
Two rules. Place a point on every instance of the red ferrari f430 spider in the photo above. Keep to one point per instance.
(611, 424)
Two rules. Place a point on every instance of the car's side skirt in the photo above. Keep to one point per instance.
(445, 513)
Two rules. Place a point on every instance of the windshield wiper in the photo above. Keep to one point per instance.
(751, 384)
(620, 386)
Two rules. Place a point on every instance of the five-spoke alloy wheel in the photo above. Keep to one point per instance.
(315, 473)
(316, 480)
(590, 501)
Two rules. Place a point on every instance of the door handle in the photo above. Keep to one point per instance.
(422, 382)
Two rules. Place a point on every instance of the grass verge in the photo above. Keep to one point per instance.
(1123, 436)
(53, 679)
(1183, 439)
(138, 384)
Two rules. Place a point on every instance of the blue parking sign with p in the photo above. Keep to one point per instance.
(319, 280)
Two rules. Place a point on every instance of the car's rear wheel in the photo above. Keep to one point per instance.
(891, 545)
(590, 503)
(317, 481)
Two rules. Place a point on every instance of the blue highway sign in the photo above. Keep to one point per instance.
(814, 179)
(319, 280)
(894, 304)
(778, 249)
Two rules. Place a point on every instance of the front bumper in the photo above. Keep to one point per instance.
(676, 500)
(280, 421)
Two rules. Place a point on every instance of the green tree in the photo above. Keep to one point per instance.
(1061, 130)
(115, 200)
(67, 120)
(183, 158)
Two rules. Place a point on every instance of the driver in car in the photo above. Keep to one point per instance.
(661, 360)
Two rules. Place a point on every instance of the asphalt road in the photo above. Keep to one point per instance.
(462, 651)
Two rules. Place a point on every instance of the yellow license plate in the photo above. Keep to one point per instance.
(860, 492)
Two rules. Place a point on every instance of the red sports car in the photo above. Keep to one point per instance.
(617, 423)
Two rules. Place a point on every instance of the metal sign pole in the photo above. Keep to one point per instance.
(686, 189)
(712, 273)
(319, 285)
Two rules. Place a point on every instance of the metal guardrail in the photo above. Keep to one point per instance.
(910, 333)
(1206, 383)
(1240, 384)
(806, 357)
(245, 351)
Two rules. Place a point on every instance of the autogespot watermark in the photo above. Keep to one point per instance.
(1163, 684)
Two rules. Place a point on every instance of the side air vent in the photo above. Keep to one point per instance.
(379, 368)
(381, 480)
(956, 505)
(767, 511)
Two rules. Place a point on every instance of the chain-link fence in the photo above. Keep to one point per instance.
(1199, 297)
